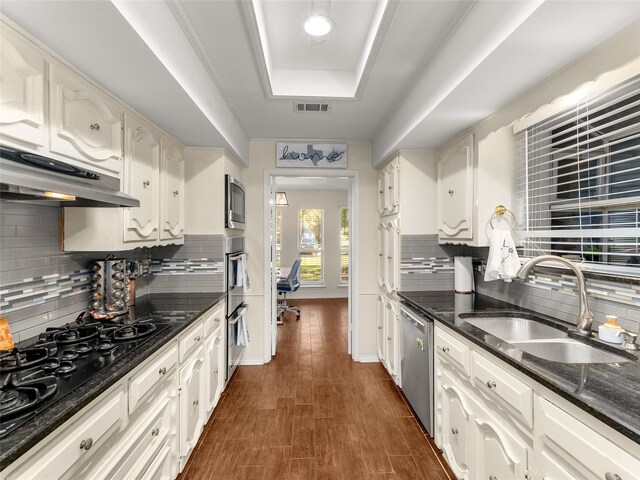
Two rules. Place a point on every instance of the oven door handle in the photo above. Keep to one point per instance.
(236, 317)
(233, 258)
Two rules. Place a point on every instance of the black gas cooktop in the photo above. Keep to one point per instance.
(36, 376)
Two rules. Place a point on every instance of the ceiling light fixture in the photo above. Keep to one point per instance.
(318, 25)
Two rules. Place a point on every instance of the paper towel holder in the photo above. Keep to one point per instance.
(501, 210)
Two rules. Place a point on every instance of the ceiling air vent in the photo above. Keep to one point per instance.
(311, 107)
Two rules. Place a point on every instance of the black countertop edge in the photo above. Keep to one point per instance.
(505, 307)
(37, 428)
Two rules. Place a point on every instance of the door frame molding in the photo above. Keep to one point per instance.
(353, 288)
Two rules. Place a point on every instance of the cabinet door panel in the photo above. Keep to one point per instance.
(380, 321)
(389, 351)
(192, 382)
(213, 371)
(381, 193)
(382, 256)
(84, 123)
(455, 191)
(455, 427)
(21, 89)
(497, 455)
(172, 190)
(141, 180)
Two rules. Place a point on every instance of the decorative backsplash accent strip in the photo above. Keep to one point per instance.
(37, 290)
(626, 294)
(426, 265)
(186, 266)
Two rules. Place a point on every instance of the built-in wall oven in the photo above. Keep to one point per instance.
(234, 216)
(236, 284)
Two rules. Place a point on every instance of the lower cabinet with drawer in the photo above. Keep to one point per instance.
(146, 425)
(495, 423)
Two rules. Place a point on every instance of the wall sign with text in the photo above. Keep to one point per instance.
(314, 155)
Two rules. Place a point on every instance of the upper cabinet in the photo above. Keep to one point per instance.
(172, 188)
(389, 188)
(142, 180)
(85, 124)
(455, 191)
(22, 89)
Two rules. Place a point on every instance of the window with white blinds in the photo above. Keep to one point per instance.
(311, 246)
(344, 245)
(580, 181)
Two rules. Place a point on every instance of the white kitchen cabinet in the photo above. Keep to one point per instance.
(380, 195)
(22, 89)
(392, 187)
(455, 426)
(141, 180)
(152, 375)
(192, 403)
(392, 338)
(392, 254)
(214, 356)
(172, 194)
(162, 466)
(87, 437)
(84, 123)
(497, 455)
(380, 323)
(455, 191)
(382, 255)
(570, 447)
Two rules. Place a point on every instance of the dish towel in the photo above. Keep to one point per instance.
(503, 262)
(242, 338)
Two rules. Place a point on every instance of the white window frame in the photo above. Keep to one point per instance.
(341, 282)
(322, 250)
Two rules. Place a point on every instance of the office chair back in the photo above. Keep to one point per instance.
(293, 275)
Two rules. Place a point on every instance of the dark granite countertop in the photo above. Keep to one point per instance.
(609, 392)
(178, 309)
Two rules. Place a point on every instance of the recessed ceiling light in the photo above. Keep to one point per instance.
(317, 25)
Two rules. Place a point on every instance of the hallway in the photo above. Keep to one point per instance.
(313, 414)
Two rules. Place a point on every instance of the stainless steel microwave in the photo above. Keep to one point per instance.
(234, 203)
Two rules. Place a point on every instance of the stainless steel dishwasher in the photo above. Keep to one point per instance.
(416, 359)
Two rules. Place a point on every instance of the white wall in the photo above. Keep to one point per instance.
(330, 201)
(263, 156)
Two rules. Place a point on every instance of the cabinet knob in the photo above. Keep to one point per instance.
(216, 320)
(195, 403)
(196, 339)
(388, 338)
(388, 258)
(86, 444)
(445, 349)
(175, 193)
(389, 187)
(493, 477)
(612, 476)
(155, 432)
(162, 371)
(381, 191)
(454, 431)
(146, 183)
(491, 384)
(95, 126)
(451, 193)
(215, 371)
(379, 328)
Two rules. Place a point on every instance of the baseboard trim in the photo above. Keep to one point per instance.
(368, 359)
(252, 361)
(310, 296)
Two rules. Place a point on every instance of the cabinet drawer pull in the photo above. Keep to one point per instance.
(95, 126)
(445, 349)
(195, 403)
(612, 476)
(216, 320)
(162, 371)
(491, 384)
(86, 444)
(146, 183)
(451, 193)
(155, 432)
(388, 258)
(454, 431)
(196, 339)
(175, 193)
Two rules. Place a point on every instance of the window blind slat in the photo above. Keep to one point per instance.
(579, 178)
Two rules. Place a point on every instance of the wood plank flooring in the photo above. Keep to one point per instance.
(313, 414)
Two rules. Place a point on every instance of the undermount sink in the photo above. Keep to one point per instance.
(543, 341)
(515, 329)
(567, 350)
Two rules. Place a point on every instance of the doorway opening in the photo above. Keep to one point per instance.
(311, 221)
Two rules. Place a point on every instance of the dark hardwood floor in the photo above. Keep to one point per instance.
(312, 413)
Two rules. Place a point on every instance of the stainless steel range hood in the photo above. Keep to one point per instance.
(25, 176)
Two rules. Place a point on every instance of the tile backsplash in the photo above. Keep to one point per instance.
(426, 265)
(41, 286)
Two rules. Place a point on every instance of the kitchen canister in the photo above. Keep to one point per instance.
(463, 274)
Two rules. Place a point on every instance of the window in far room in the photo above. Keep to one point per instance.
(310, 246)
(344, 245)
